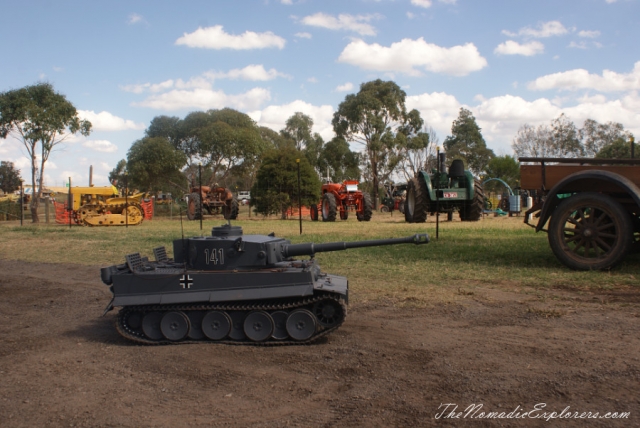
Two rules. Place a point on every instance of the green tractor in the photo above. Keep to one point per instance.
(439, 191)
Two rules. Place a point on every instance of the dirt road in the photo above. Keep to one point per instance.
(62, 364)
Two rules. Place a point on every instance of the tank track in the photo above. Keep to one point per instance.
(137, 335)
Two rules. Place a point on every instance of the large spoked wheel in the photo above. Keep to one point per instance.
(367, 208)
(174, 326)
(329, 207)
(590, 231)
(194, 211)
(258, 326)
(472, 210)
(313, 212)
(417, 202)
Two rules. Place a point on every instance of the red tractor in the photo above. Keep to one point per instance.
(214, 200)
(340, 198)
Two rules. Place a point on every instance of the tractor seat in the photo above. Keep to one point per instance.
(456, 170)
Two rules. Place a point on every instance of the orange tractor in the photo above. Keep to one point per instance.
(215, 200)
(340, 199)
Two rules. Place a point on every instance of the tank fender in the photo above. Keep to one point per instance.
(552, 200)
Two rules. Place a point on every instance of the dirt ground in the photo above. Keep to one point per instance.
(62, 364)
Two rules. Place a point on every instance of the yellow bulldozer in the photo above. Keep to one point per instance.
(100, 206)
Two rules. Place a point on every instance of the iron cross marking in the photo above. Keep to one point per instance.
(186, 281)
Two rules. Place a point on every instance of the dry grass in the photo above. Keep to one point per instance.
(495, 252)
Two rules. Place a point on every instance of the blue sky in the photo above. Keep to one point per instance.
(510, 62)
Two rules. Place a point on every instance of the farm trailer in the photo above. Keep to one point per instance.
(592, 207)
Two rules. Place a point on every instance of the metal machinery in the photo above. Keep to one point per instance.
(232, 288)
(395, 195)
(592, 207)
(214, 199)
(98, 206)
(440, 191)
(339, 199)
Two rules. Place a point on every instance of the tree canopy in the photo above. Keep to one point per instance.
(42, 119)
(505, 168)
(374, 118)
(341, 161)
(276, 186)
(467, 143)
(152, 164)
(9, 177)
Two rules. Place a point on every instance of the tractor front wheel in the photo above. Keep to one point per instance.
(329, 208)
(230, 210)
(367, 208)
(590, 231)
(313, 212)
(417, 202)
(194, 209)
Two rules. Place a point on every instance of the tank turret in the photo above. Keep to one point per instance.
(232, 288)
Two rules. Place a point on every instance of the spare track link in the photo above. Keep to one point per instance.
(139, 337)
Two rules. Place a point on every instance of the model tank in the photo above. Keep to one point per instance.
(232, 288)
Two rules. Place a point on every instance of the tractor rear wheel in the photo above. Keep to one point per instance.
(194, 210)
(472, 210)
(313, 212)
(367, 208)
(590, 231)
(230, 211)
(417, 203)
(329, 208)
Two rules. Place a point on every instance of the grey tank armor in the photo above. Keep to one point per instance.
(232, 288)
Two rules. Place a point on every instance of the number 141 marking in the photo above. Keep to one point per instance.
(215, 256)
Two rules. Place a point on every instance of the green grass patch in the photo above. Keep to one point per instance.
(495, 252)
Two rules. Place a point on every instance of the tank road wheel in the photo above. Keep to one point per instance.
(344, 214)
(301, 324)
(313, 212)
(367, 208)
(174, 326)
(417, 202)
(472, 210)
(328, 312)
(258, 326)
(237, 325)
(135, 214)
(151, 325)
(279, 325)
(193, 207)
(134, 320)
(590, 231)
(216, 325)
(195, 321)
(231, 212)
(329, 207)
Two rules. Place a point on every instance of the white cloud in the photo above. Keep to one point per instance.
(312, 80)
(303, 35)
(134, 18)
(205, 99)
(573, 80)
(253, 72)
(101, 146)
(148, 87)
(105, 121)
(406, 55)
(275, 117)
(216, 38)
(589, 34)
(514, 48)
(344, 88)
(543, 30)
(578, 45)
(437, 109)
(58, 69)
(358, 23)
(422, 3)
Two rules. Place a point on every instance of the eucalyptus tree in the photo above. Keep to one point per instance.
(41, 119)
(466, 142)
(375, 117)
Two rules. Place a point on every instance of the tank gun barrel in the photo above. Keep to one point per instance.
(310, 248)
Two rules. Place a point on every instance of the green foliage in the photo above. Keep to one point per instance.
(152, 163)
(117, 173)
(596, 136)
(506, 168)
(276, 186)
(375, 117)
(619, 149)
(341, 161)
(467, 143)
(9, 177)
(42, 119)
